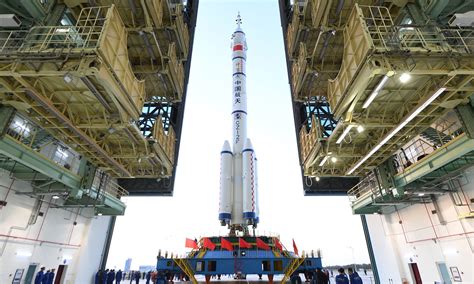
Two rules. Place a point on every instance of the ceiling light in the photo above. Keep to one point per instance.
(323, 161)
(24, 253)
(55, 197)
(67, 78)
(344, 133)
(333, 159)
(99, 214)
(421, 194)
(317, 178)
(405, 77)
(360, 129)
(398, 128)
(376, 91)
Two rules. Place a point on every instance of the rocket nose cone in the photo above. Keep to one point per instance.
(226, 146)
(248, 144)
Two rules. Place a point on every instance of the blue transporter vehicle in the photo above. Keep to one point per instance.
(238, 261)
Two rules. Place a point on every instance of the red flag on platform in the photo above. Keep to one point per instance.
(278, 244)
(261, 244)
(295, 249)
(244, 244)
(208, 244)
(191, 244)
(225, 244)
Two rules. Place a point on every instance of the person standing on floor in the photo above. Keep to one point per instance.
(39, 276)
(118, 276)
(137, 277)
(51, 276)
(148, 277)
(342, 277)
(354, 276)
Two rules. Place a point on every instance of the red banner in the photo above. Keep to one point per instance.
(225, 244)
(244, 244)
(295, 249)
(278, 244)
(208, 244)
(261, 244)
(191, 244)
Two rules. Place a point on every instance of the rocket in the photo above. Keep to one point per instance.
(238, 198)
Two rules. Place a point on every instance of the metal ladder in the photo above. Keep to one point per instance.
(184, 265)
(292, 266)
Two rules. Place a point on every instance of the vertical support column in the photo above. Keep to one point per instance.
(108, 241)
(370, 249)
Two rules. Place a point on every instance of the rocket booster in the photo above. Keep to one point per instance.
(238, 181)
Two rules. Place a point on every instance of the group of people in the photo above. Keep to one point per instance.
(343, 278)
(108, 276)
(44, 277)
(321, 276)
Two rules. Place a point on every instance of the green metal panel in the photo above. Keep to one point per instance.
(441, 157)
(6, 115)
(16, 151)
(465, 114)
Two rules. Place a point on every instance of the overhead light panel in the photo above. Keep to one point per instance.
(360, 129)
(344, 133)
(317, 178)
(333, 159)
(405, 77)
(323, 161)
(398, 128)
(55, 197)
(375, 92)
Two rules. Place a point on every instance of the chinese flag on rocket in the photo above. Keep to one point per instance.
(208, 244)
(244, 244)
(261, 244)
(278, 244)
(295, 249)
(191, 244)
(225, 244)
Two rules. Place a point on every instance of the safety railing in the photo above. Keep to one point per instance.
(103, 184)
(176, 71)
(366, 187)
(309, 139)
(166, 140)
(299, 70)
(370, 29)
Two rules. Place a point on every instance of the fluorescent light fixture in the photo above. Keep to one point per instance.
(344, 133)
(333, 159)
(360, 129)
(24, 253)
(376, 91)
(405, 77)
(323, 161)
(55, 197)
(99, 214)
(421, 194)
(398, 128)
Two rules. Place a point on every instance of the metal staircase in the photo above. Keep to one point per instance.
(436, 137)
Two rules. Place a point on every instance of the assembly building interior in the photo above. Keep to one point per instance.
(92, 97)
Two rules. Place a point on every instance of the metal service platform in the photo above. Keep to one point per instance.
(239, 261)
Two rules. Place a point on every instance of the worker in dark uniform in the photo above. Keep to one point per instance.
(105, 274)
(137, 277)
(98, 277)
(341, 278)
(118, 276)
(51, 277)
(354, 276)
(39, 276)
(320, 277)
(111, 276)
(148, 277)
(45, 277)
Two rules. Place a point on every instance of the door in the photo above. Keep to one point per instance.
(415, 273)
(444, 273)
(61, 275)
(30, 273)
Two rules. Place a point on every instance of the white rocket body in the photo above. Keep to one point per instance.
(240, 195)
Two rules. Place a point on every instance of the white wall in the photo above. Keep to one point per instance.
(52, 240)
(422, 239)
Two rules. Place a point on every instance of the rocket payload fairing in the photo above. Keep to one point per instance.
(238, 200)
